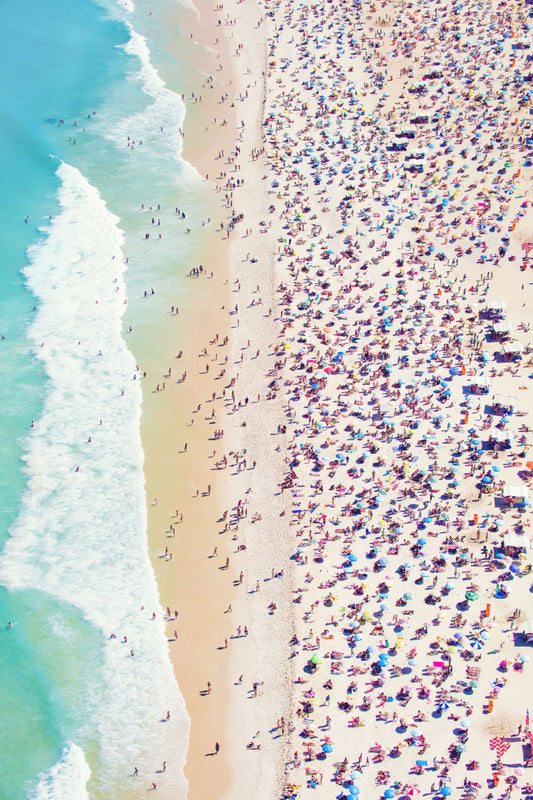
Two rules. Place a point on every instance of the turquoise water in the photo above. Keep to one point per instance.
(77, 591)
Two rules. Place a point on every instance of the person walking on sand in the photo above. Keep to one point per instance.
(217, 747)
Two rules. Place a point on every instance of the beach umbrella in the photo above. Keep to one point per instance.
(316, 658)
(353, 790)
(407, 596)
(471, 595)
(515, 568)
(465, 723)
(443, 707)
(389, 793)
(327, 748)
(495, 468)
(445, 791)
(421, 541)
(355, 775)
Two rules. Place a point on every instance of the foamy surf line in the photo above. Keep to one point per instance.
(81, 533)
(161, 122)
(158, 128)
(66, 779)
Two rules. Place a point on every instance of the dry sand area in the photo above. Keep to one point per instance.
(368, 497)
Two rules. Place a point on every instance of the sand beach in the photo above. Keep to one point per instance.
(337, 464)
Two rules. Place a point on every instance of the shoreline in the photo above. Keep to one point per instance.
(169, 421)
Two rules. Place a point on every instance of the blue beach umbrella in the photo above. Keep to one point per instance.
(353, 790)
(327, 748)
(445, 791)
(389, 793)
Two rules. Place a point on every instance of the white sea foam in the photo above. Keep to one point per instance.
(65, 780)
(159, 126)
(80, 536)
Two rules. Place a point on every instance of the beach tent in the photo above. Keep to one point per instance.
(496, 307)
(500, 330)
(512, 350)
(527, 631)
(514, 542)
(479, 384)
(516, 495)
(503, 404)
(502, 438)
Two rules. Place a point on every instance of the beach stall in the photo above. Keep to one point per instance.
(514, 544)
(501, 330)
(515, 496)
(496, 309)
(500, 440)
(479, 385)
(527, 631)
(512, 351)
(503, 405)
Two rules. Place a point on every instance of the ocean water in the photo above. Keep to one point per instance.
(90, 134)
